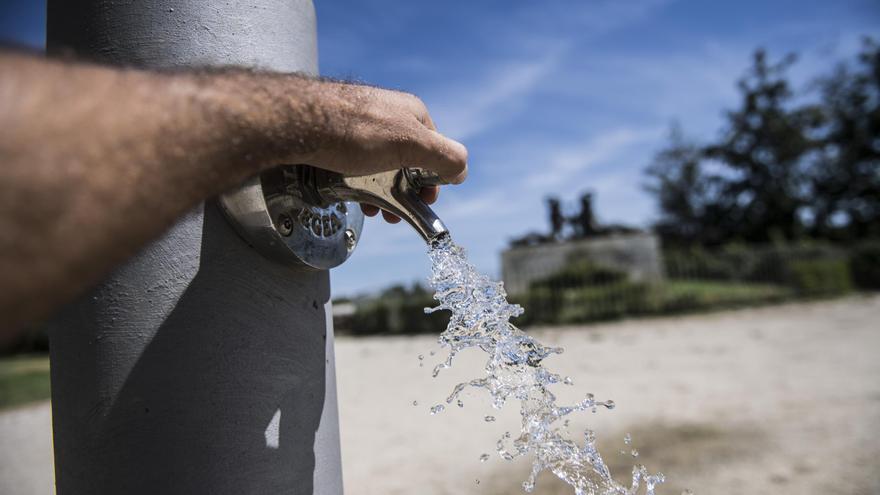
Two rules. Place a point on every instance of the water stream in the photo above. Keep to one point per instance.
(515, 372)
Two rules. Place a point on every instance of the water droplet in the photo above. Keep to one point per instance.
(484, 457)
(634, 453)
(627, 439)
(460, 403)
(421, 357)
(515, 371)
(415, 402)
(477, 481)
(437, 409)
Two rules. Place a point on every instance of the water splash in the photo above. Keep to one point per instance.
(514, 370)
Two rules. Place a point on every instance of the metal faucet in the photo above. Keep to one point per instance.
(396, 191)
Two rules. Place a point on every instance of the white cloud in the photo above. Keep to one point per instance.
(501, 90)
(564, 164)
(470, 109)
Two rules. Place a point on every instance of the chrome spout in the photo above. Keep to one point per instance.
(396, 191)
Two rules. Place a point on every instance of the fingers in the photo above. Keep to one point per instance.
(437, 152)
(369, 210)
(429, 194)
(390, 217)
(372, 211)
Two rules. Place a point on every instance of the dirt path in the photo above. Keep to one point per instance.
(26, 466)
(768, 401)
(779, 400)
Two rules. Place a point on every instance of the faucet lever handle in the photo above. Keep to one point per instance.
(396, 191)
(420, 177)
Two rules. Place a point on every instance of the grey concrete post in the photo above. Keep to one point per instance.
(200, 366)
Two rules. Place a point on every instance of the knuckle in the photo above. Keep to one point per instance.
(416, 104)
(403, 146)
(420, 105)
(411, 98)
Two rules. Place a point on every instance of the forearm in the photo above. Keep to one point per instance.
(96, 162)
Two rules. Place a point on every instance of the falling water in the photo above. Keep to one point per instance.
(515, 372)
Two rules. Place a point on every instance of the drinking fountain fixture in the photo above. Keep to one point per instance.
(303, 215)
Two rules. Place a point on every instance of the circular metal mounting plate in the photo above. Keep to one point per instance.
(269, 212)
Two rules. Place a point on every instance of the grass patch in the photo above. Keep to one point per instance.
(23, 379)
(683, 295)
(621, 299)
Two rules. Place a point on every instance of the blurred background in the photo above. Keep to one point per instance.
(684, 194)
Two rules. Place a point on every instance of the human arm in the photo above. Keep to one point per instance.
(95, 162)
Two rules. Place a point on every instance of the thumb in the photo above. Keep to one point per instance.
(445, 156)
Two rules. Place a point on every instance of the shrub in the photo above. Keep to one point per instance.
(604, 302)
(701, 264)
(865, 265)
(820, 277)
(542, 305)
(766, 264)
(582, 291)
(370, 319)
(33, 339)
(411, 317)
(398, 310)
(583, 304)
(579, 274)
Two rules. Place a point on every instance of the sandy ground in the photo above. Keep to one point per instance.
(779, 400)
(26, 466)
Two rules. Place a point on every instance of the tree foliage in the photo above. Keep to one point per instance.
(846, 180)
(780, 170)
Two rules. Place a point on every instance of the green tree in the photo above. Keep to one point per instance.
(752, 184)
(763, 150)
(677, 179)
(846, 176)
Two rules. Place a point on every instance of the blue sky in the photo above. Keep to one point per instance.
(553, 97)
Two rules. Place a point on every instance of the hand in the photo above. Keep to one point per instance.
(369, 130)
(364, 130)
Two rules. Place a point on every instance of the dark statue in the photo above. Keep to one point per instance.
(580, 225)
(557, 220)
